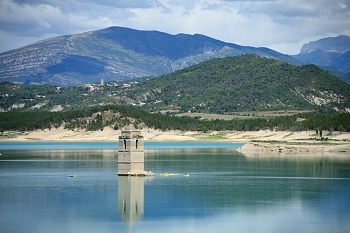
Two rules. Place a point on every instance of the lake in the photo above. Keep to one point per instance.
(226, 191)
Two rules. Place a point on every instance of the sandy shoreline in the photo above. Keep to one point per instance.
(256, 141)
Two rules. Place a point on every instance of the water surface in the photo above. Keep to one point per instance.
(225, 192)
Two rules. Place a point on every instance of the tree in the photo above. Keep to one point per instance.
(341, 128)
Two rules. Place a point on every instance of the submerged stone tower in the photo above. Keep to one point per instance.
(131, 154)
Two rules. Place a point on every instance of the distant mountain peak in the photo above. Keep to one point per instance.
(331, 53)
(339, 44)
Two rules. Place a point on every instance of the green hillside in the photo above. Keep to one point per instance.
(243, 83)
(225, 86)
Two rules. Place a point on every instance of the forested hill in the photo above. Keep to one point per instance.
(223, 85)
(243, 83)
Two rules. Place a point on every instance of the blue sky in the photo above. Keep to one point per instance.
(282, 25)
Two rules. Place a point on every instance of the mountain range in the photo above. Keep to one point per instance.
(331, 53)
(116, 53)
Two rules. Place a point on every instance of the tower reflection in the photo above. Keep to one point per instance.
(130, 197)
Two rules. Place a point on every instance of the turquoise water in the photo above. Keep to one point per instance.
(111, 145)
(226, 191)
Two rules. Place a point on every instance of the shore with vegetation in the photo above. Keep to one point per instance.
(264, 141)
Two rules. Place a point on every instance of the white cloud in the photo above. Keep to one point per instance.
(286, 25)
(73, 4)
(282, 25)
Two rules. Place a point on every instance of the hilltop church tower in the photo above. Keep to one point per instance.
(131, 154)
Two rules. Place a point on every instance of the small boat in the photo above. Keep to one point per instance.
(186, 174)
(70, 175)
(169, 174)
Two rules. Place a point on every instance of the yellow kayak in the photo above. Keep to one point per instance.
(169, 174)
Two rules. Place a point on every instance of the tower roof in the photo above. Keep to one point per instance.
(131, 134)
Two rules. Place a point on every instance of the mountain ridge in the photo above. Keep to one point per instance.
(115, 53)
(330, 53)
(339, 44)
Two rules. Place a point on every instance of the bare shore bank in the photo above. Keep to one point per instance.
(256, 141)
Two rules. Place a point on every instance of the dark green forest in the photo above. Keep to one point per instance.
(116, 116)
(223, 86)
